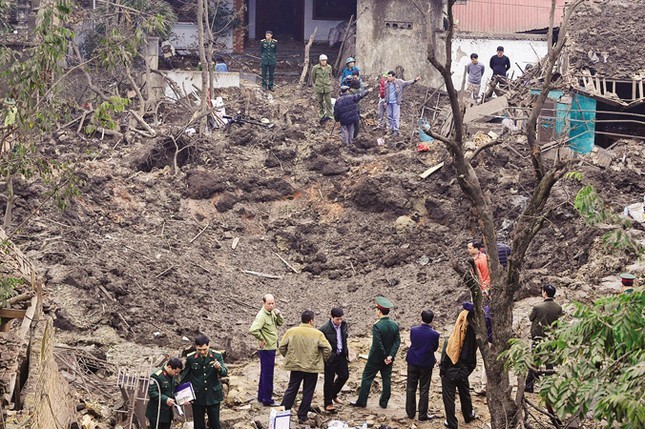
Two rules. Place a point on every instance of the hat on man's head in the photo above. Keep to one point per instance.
(627, 279)
(468, 306)
(382, 303)
(350, 60)
(322, 57)
(344, 88)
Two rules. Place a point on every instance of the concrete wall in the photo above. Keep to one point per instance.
(393, 33)
(323, 25)
(521, 51)
(188, 80)
(310, 23)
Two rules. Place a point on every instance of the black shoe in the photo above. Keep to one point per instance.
(382, 406)
(473, 417)
(356, 404)
(270, 404)
(528, 390)
(426, 417)
(271, 89)
(303, 422)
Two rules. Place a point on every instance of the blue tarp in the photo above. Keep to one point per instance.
(575, 122)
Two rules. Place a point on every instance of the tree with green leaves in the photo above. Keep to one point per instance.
(599, 358)
(33, 108)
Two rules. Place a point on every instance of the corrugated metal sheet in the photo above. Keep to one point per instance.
(504, 16)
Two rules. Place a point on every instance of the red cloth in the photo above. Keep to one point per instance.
(381, 91)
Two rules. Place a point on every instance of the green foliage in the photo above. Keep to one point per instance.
(121, 32)
(594, 210)
(30, 77)
(8, 289)
(599, 359)
(574, 175)
(517, 357)
(103, 115)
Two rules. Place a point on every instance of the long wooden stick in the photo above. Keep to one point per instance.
(286, 263)
(264, 275)
(342, 45)
(305, 67)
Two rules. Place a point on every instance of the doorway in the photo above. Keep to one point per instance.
(284, 17)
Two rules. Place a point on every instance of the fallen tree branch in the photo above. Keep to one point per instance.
(200, 232)
(264, 275)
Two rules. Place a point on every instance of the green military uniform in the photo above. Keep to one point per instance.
(385, 342)
(268, 48)
(205, 378)
(321, 78)
(160, 388)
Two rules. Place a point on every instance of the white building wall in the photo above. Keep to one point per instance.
(311, 24)
(522, 52)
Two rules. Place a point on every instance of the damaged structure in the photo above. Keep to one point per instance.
(607, 71)
(596, 95)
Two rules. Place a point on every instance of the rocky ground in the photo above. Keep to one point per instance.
(150, 255)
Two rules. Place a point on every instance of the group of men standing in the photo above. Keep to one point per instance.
(308, 351)
(500, 64)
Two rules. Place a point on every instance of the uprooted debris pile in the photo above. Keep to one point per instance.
(156, 250)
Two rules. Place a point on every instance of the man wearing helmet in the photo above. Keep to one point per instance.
(350, 66)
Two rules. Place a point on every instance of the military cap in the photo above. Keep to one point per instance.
(383, 303)
(627, 279)
(468, 306)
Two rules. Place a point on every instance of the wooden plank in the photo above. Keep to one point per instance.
(484, 112)
(10, 313)
(431, 170)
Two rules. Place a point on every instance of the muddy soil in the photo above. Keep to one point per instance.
(150, 255)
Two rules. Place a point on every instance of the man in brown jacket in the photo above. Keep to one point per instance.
(543, 315)
(305, 350)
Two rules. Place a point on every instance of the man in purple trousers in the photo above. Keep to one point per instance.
(265, 329)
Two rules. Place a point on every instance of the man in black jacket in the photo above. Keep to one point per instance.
(335, 331)
(500, 64)
(458, 361)
(346, 112)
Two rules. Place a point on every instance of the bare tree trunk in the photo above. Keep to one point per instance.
(10, 199)
(503, 409)
(305, 68)
(202, 51)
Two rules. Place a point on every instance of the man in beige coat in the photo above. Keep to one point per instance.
(305, 350)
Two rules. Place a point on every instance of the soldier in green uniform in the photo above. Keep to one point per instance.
(321, 76)
(385, 343)
(162, 396)
(268, 48)
(204, 368)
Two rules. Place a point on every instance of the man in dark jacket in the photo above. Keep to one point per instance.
(458, 361)
(543, 315)
(204, 368)
(335, 330)
(162, 396)
(346, 112)
(500, 64)
(386, 340)
(424, 341)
